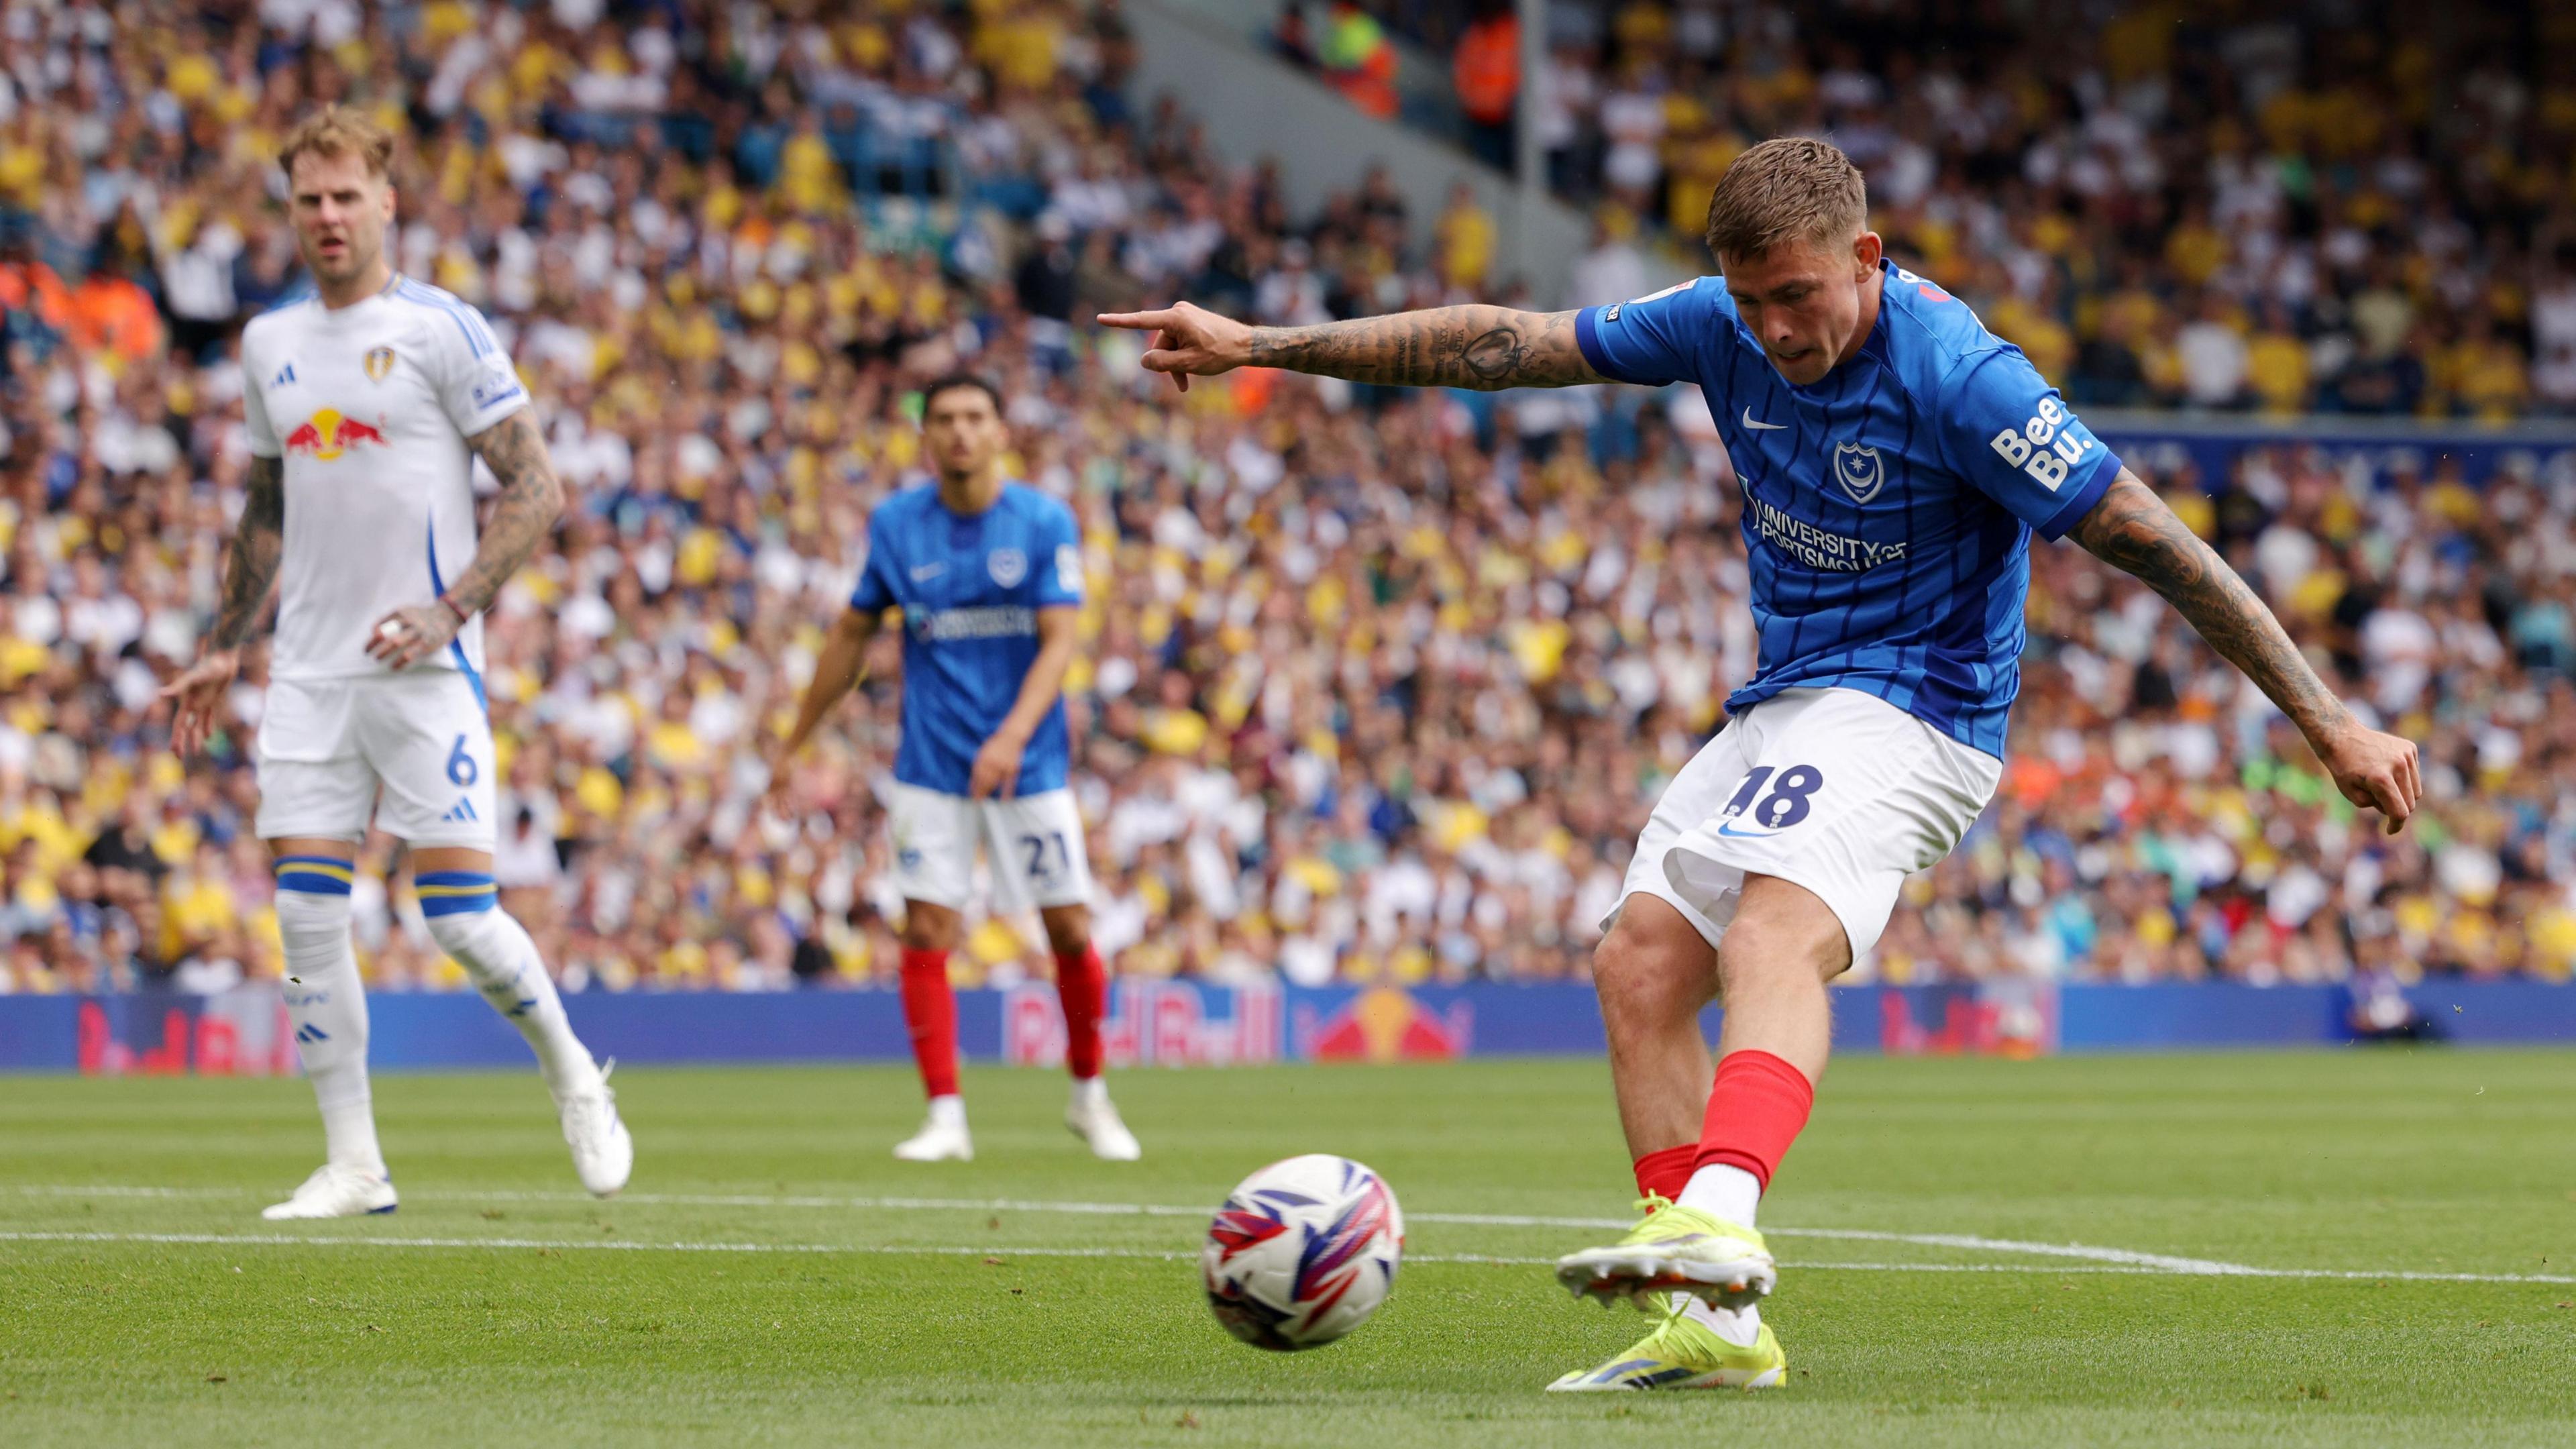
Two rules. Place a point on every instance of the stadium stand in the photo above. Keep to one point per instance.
(1376, 687)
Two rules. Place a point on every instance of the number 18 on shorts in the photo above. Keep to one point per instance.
(1831, 789)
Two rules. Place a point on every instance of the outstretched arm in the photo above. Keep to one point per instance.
(1477, 347)
(532, 498)
(2132, 529)
(250, 568)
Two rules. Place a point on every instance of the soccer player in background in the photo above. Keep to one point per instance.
(1896, 458)
(988, 574)
(367, 402)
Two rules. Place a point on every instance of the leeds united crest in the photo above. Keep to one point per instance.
(380, 360)
(1857, 468)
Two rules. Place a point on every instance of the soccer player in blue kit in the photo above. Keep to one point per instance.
(988, 574)
(1896, 458)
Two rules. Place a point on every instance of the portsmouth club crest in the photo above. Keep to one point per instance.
(1008, 566)
(1857, 468)
(380, 360)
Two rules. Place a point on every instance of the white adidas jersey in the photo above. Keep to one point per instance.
(370, 405)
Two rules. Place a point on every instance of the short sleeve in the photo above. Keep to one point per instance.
(1060, 568)
(2009, 433)
(476, 383)
(875, 591)
(1654, 339)
(263, 436)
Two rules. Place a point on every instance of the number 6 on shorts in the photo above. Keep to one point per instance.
(461, 769)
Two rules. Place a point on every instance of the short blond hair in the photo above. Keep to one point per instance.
(337, 130)
(1792, 189)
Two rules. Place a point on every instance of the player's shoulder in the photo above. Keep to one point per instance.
(1036, 504)
(899, 508)
(1932, 336)
(1694, 299)
(281, 318)
(451, 320)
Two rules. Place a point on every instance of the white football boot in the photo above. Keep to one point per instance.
(336, 1192)
(603, 1152)
(943, 1136)
(1091, 1117)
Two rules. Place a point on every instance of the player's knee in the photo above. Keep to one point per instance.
(463, 912)
(313, 908)
(1644, 975)
(1068, 930)
(1783, 935)
(929, 928)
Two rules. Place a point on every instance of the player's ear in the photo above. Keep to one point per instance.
(1867, 251)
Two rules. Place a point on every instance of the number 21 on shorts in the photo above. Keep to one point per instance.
(1792, 791)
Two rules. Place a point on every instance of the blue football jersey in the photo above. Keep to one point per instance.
(970, 590)
(1888, 508)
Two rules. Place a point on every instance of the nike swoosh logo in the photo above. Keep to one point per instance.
(928, 571)
(1761, 427)
(1729, 829)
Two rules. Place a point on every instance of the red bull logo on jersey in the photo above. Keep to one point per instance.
(326, 435)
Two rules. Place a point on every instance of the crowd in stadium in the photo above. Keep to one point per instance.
(1376, 687)
(2220, 207)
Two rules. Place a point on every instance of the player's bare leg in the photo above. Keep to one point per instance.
(1698, 1257)
(328, 1005)
(930, 932)
(463, 908)
(1082, 985)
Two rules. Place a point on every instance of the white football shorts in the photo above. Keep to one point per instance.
(1832, 789)
(327, 747)
(1033, 844)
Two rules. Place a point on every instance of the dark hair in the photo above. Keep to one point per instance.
(955, 380)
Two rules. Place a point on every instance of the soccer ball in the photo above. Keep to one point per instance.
(1302, 1252)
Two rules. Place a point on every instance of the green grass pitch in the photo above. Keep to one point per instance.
(502, 1306)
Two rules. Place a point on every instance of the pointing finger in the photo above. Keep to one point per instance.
(1138, 321)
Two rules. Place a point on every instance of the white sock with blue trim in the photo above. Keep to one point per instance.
(328, 1004)
(465, 917)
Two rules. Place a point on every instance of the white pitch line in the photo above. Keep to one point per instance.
(2114, 1258)
(1005, 1252)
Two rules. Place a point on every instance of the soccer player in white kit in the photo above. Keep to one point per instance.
(366, 403)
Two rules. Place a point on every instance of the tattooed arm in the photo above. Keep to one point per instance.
(1473, 347)
(250, 567)
(532, 497)
(2132, 529)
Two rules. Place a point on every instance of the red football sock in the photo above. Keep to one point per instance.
(1662, 1173)
(1082, 983)
(1754, 1112)
(931, 1014)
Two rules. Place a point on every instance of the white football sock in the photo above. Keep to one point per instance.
(1729, 1194)
(1738, 1326)
(948, 1111)
(497, 954)
(328, 1004)
(1090, 1093)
